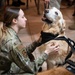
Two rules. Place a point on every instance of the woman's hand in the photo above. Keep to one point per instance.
(51, 47)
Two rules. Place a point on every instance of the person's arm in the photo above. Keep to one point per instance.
(19, 56)
(50, 47)
(30, 48)
(17, 53)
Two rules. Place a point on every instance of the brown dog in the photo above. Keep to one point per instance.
(55, 24)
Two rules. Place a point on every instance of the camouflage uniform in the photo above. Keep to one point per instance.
(12, 47)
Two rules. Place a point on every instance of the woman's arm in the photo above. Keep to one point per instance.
(20, 58)
(30, 48)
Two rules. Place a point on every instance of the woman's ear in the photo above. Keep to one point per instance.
(14, 20)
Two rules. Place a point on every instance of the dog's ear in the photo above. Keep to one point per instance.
(62, 24)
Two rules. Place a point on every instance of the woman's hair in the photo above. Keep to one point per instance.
(9, 15)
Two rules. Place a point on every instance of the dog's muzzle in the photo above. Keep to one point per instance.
(45, 19)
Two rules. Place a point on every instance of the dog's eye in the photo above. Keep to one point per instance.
(56, 13)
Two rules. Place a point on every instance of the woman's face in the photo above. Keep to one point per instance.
(21, 20)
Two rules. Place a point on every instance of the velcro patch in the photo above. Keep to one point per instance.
(22, 50)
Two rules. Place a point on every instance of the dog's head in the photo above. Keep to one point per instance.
(52, 15)
(53, 18)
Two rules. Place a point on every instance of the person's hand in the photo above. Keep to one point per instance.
(50, 47)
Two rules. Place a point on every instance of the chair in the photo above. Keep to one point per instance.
(7, 2)
(37, 4)
(74, 9)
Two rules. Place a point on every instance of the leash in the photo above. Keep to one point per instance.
(71, 43)
(71, 66)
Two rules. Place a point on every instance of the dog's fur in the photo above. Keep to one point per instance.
(56, 71)
(54, 23)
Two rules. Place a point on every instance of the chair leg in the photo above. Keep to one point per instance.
(74, 11)
(37, 6)
(27, 1)
(7, 2)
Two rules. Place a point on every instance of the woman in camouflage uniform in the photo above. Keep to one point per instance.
(14, 56)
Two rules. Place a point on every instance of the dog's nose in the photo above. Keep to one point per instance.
(46, 10)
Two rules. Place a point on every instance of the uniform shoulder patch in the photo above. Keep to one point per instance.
(20, 47)
(22, 50)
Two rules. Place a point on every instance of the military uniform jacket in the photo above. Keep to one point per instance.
(12, 47)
